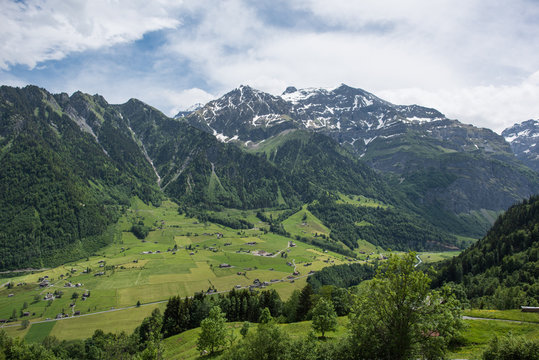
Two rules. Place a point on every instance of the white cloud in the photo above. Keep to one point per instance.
(471, 59)
(186, 98)
(493, 107)
(475, 48)
(36, 31)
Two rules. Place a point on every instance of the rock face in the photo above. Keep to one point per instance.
(524, 138)
(458, 170)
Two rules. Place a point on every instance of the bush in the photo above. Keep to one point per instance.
(512, 348)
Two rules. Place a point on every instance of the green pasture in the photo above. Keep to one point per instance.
(478, 333)
(311, 226)
(131, 273)
(183, 346)
(516, 315)
(38, 332)
(429, 257)
(360, 200)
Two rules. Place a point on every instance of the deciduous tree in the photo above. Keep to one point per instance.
(213, 332)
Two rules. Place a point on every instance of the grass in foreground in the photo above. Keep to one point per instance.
(476, 337)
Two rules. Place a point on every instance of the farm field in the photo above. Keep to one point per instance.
(179, 256)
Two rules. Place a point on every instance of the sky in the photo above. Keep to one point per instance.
(473, 60)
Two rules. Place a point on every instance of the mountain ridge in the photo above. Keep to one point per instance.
(474, 168)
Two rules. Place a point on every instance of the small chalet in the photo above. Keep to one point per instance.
(99, 273)
(26, 313)
(224, 265)
(77, 313)
(530, 309)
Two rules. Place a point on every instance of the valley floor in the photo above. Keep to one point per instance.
(180, 256)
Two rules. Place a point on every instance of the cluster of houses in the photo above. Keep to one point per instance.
(258, 284)
(262, 253)
(68, 284)
(151, 252)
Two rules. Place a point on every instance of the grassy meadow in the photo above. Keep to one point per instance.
(475, 336)
(180, 256)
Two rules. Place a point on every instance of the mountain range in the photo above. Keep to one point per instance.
(464, 175)
(71, 164)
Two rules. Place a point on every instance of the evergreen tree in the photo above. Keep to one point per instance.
(305, 302)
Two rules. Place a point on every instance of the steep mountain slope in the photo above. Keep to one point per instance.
(318, 164)
(502, 269)
(523, 138)
(195, 168)
(59, 188)
(244, 114)
(463, 175)
(71, 162)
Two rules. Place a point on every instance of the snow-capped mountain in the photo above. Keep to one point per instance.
(456, 170)
(244, 114)
(524, 140)
(189, 110)
(354, 117)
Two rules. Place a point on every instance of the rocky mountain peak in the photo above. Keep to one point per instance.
(524, 140)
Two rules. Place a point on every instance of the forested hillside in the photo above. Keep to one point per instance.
(196, 169)
(71, 162)
(319, 166)
(58, 189)
(502, 269)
